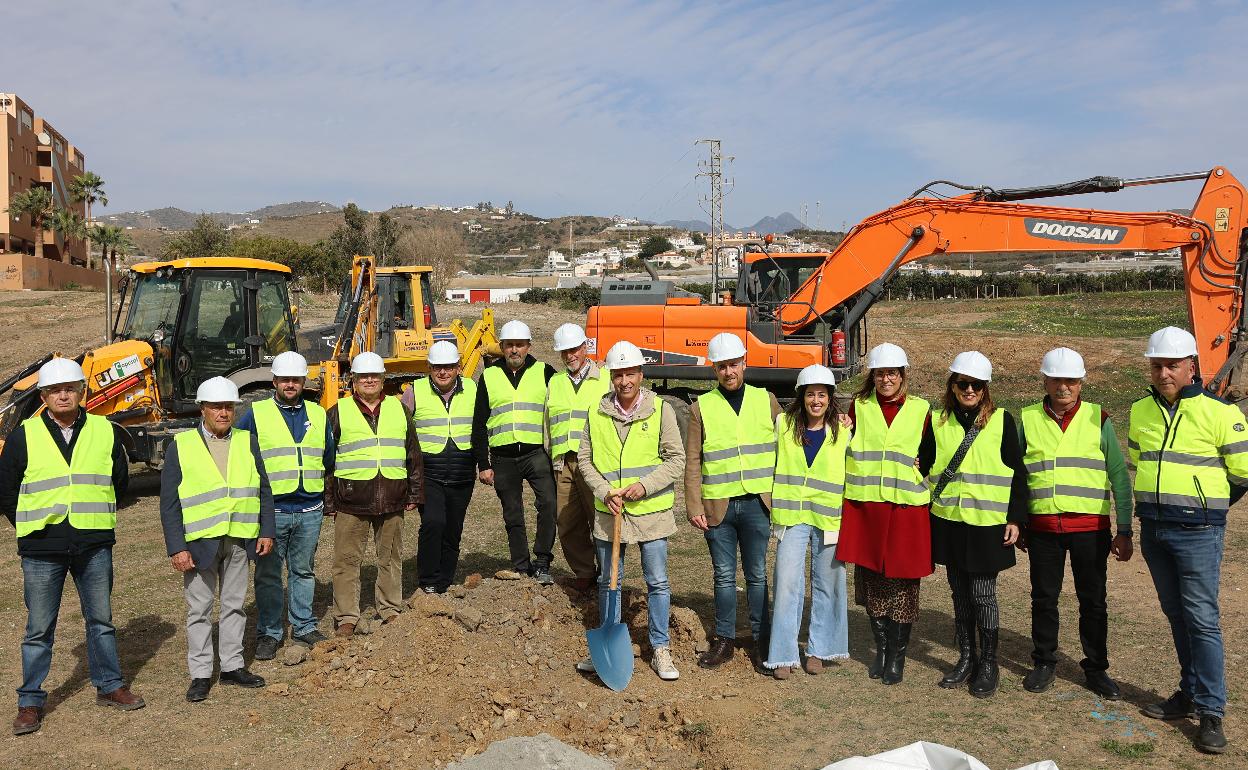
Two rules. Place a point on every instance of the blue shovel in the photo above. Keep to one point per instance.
(610, 647)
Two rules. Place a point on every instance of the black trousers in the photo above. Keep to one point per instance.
(441, 526)
(510, 473)
(974, 597)
(1089, 552)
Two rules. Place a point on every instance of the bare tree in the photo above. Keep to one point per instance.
(442, 248)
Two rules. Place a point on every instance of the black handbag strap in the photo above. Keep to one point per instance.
(955, 462)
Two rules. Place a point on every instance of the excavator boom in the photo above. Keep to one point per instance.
(853, 276)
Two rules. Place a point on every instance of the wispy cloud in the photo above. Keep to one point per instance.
(565, 106)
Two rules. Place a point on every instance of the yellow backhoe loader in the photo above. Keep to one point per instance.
(180, 322)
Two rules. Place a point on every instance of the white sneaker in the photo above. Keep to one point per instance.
(661, 662)
(586, 666)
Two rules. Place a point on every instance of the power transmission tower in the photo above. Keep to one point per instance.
(818, 214)
(713, 205)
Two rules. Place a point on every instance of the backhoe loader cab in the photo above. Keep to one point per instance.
(208, 317)
(178, 323)
(405, 310)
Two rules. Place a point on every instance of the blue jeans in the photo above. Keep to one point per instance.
(43, 581)
(828, 636)
(746, 522)
(1186, 564)
(297, 536)
(658, 591)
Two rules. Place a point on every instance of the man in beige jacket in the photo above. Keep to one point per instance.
(630, 457)
(730, 446)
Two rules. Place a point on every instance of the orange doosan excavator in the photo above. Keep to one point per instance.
(793, 310)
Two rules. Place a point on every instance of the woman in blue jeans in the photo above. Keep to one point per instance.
(806, 518)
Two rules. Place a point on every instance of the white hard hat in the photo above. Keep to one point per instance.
(443, 353)
(624, 355)
(290, 364)
(1062, 362)
(725, 347)
(59, 371)
(515, 330)
(368, 363)
(216, 390)
(886, 355)
(973, 364)
(1171, 342)
(569, 336)
(816, 374)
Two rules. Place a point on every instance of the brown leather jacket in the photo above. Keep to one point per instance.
(378, 495)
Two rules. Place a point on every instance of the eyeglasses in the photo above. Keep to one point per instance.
(974, 385)
(885, 374)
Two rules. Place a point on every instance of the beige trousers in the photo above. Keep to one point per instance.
(350, 541)
(575, 520)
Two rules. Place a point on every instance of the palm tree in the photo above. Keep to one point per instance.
(110, 240)
(35, 203)
(70, 226)
(88, 188)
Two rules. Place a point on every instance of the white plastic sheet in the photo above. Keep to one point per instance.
(924, 756)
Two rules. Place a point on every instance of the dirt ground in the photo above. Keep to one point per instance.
(457, 672)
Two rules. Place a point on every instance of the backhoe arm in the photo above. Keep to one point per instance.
(853, 276)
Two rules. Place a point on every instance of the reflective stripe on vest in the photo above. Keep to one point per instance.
(287, 463)
(567, 408)
(213, 506)
(880, 466)
(621, 464)
(979, 493)
(808, 494)
(1065, 469)
(435, 424)
(515, 412)
(361, 453)
(738, 450)
(81, 489)
(1180, 472)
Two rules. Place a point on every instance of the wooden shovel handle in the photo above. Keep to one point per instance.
(615, 550)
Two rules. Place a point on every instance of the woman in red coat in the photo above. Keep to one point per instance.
(885, 527)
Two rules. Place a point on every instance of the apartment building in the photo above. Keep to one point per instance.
(33, 153)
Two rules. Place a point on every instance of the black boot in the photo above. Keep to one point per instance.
(899, 639)
(879, 630)
(965, 667)
(985, 682)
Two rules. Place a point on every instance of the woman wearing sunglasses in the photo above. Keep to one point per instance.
(885, 529)
(806, 517)
(979, 501)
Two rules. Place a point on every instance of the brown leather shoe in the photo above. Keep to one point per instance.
(29, 719)
(345, 630)
(719, 654)
(120, 698)
(813, 666)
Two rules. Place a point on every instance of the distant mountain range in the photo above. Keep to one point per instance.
(783, 223)
(177, 219)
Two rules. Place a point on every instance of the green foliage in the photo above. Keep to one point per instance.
(351, 237)
(1135, 314)
(311, 264)
(921, 284)
(655, 244)
(385, 235)
(88, 188)
(1127, 750)
(110, 239)
(35, 203)
(698, 238)
(580, 297)
(208, 238)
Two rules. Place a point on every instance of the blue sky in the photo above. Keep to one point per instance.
(578, 107)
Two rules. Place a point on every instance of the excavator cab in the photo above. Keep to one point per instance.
(207, 317)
